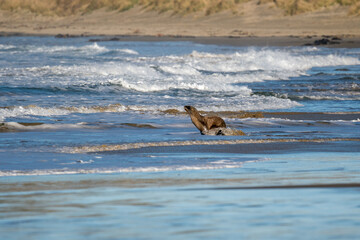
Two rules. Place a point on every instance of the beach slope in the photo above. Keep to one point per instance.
(248, 19)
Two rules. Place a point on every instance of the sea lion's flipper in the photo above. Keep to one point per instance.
(223, 132)
(220, 133)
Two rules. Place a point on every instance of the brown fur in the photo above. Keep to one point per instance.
(204, 123)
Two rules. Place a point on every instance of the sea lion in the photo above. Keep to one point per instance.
(205, 123)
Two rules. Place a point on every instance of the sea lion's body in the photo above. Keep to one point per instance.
(204, 123)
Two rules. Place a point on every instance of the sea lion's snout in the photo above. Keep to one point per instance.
(187, 108)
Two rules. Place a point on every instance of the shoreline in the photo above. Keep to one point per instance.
(329, 41)
(253, 25)
(276, 41)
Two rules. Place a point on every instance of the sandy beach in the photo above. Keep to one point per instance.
(253, 24)
(95, 142)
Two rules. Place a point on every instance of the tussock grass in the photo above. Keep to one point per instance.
(293, 7)
(69, 7)
(182, 7)
(65, 7)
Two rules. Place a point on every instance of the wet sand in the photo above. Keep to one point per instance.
(288, 195)
(278, 41)
(246, 146)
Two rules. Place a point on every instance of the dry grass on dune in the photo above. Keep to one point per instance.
(183, 7)
(69, 7)
(293, 7)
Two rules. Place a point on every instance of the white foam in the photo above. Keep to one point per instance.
(198, 72)
(14, 126)
(342, 97)
(128, 51)
(275, 64)
(220, 72)
(290, 60)
(278, 122)
(78, 162)
(32, 110)
(88, 49)
(6, 47)
(238, 104)
(220, 164)
(180, 70)
(162, 84)
(21, 111)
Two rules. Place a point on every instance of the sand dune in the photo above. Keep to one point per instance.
(250, 19)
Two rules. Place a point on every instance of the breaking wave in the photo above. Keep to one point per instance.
(88, 49)
(6, 47)
(33, 110)
(22, 127)
(225, 81)
(197, 71)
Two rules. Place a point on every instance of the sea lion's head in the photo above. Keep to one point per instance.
(189, 109)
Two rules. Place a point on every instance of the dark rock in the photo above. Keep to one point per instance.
(68, 35)
(323, 41)
(336, 39)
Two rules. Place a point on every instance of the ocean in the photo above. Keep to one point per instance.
(95, 142)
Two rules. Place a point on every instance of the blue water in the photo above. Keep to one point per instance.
(95, 144)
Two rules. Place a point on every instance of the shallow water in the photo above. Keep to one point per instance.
(222, 203)
(94, 141)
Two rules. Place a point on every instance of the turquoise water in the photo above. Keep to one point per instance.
(95, 144)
